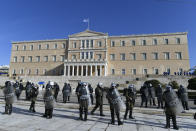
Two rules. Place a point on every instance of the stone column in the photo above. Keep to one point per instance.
(77, 70)
(95, 70)
(72, 70)
(91, 72)
(100, 70)
(81, 70)
(68, 70)
(65, 68)
(86, 70)
(104, 70)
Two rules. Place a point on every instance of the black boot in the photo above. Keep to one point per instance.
(81, 112)
(126, 112)
(85, 114)
(112, 116)
(50, 113)
(195, 116)
(174, 123)
(130, 115)
(45, 114)
(167, 121)
(101, 110)
(118, 118)
(6, 109)
(10, 109)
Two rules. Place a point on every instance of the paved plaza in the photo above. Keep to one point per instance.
(65, 117)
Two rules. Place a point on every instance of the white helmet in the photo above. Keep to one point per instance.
(168, 87)
(100, 84)
(113, 84)
(131, 86)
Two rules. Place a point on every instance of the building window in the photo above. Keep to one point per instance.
(113, 71)
(112, 56)
(54, 58)
(37, 71)
(16, 47)
(155, 56)
(167, 55)
(21, 71)
(83, 43)
(168, 70)
(82, 55)
(133, 42)
(112, 43)
(178, 40)
(91, 55)
(24, 47)
(38, 58)
(98, 56)
(63, 46)
(144, 56)
(154, 41)
(99, 43)
(46, 58)
(180, 70)
(73, 57)
(179, 55)
(22, 59)
(133, 56)
(123, 72)
(62, 58)
(86, 55)
(123, 43)
(44, 71)
(144, 42)
(122, 56)
(133, 71)
(92, 43)
(74, 45)
(55, 46)
(14, 71)
(30, 58)
(31, 47)
(39, 47)
(87, 43)
(29, 71)
(15, 58)
(166, 41)
(47, 46)
(145, 71)
(156, 71)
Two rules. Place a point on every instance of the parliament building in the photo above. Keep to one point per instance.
(91, 53)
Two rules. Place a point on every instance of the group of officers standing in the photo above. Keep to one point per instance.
(167, 99)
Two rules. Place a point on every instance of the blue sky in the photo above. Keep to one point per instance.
(52, 19)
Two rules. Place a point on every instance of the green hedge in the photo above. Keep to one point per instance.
(192, 84)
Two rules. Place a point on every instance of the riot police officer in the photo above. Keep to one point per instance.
(77, 89)
(17, 89)
(144, 95)
(49, 100)
(66, 92)
(99, 99)
(33, 96)
(130, 95)
(27, 91)
(9, 97)
(115, 102)
(91, 93)
(159, 93)
(151, 95)
(84, 100)
(56, 90)
(183, 96)
(172, 106)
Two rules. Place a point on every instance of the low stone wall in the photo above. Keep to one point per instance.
(107, 80)
(3, 79)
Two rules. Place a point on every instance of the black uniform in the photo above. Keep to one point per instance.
(66, 92)
(171, 107)
(183, 96)
(27, 91)
(56, 90)
(159, 94)
(17, 90)
(114, 101)
(99, 100)
(130, 95)
(91, 93)
(77, 89)
(151, 94)
(84, 100)
(33, 96)
(144, 95)
(9, 97)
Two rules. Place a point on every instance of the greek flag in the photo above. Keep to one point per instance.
(86, 20)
